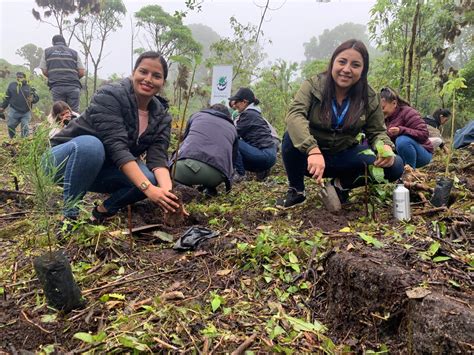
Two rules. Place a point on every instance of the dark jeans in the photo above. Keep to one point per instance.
(412, 152)
(68, 94)
(347, 165)
(82, 167)
(253, 159)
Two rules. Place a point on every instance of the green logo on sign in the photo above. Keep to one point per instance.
(222, 83)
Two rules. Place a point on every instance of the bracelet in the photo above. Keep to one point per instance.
(315, 154)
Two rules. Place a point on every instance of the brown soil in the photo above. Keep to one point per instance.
(366, 295)
(357, 290)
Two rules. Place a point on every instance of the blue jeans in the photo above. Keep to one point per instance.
(412, 152)
(15, 118)
(253, 159)
(82, 167)
(69, 94)
(347, 165)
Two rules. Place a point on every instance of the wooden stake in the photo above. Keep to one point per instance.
(130, 226)
(245, 345)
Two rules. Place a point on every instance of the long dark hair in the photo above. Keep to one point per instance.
(58, 108)
(153, 55)
(441, 111)
(358, 93)
(390, 95)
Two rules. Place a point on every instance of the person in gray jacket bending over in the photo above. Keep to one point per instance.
(63, 68)
(209, 150)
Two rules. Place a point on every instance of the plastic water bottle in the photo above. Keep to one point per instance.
(401, 203)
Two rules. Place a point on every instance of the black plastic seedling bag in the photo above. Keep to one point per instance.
(60, 288)
(441, 192)
(193, 237)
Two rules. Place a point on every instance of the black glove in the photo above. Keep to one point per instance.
(2, 115)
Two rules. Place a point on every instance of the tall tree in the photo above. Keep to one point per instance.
(31, 54)
(166, 33)
(395, 24)
(241, 50)
(411, 49)
(93, 32)
(64, 15)
(275, 90)
(322, 47)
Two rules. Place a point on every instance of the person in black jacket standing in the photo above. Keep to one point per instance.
(20, 96)
(100, 150)
(257, 147)
(63, 68)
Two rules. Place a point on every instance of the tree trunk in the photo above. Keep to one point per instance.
(86, 85)
(418, 59)
(96, 67)
(404, 58)
(411, 50)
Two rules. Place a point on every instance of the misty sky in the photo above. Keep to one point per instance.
(293, 23)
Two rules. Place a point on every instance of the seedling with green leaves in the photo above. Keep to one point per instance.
(373, 189)
(450, 88)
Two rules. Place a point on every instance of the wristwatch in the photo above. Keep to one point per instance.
(144, 185)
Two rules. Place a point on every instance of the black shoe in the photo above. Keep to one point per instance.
(343, 194)
(99, 218)
(262, 175)
(64, 229)
(210, 191)
(292, 199)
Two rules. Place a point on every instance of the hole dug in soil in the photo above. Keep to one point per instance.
(366, 298)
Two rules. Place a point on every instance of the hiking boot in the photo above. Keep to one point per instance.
(262, 175)
(293, 198)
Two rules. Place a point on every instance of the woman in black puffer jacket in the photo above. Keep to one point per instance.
(257, 147)
(100, 151)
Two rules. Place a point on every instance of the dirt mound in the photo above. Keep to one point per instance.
(367, 295)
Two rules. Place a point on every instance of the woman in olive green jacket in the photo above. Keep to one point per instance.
(323, 125)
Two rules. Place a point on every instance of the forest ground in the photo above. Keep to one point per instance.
(296, 281)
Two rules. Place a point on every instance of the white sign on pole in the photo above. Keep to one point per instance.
(221, 84)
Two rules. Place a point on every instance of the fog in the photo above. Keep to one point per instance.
(292, 23)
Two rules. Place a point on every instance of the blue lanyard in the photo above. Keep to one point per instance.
(345, 108)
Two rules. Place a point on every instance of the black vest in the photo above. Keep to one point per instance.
(61, 63)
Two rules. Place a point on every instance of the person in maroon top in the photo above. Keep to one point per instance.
(406, 129)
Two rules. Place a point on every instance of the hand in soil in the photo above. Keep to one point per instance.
(168, 201)
(177, 217)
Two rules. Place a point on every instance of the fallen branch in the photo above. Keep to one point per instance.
(205, 347)
(422, 197)
(417, 186)
(13, 214)
(467, 166)
(14, 192)
(165, 344)
(33, 323)
(123, 282)
(431, 210)
(21, 282)
(245, 345)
